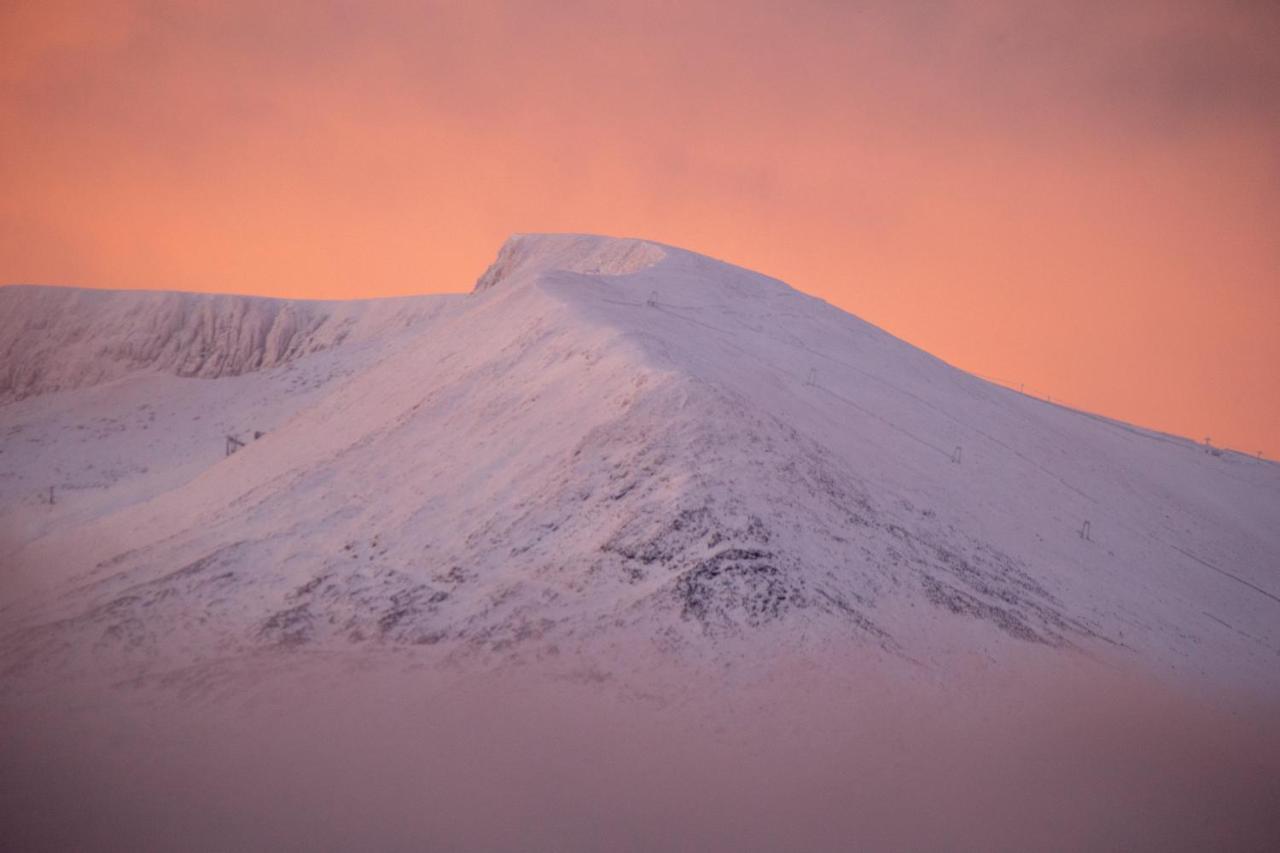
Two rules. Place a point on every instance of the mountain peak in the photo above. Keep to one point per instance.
(589, 254)
(645, 448)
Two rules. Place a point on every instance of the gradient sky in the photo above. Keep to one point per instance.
(1081, 196)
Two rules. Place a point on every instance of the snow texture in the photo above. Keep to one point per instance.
(610, 447)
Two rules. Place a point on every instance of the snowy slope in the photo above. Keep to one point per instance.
(610, 447)
(61, 338)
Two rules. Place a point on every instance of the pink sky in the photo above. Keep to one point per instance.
(1083, 197)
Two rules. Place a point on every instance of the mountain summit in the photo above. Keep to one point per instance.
(530, 255)
(608, 445)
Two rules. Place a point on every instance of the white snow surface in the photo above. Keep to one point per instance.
(610, 447)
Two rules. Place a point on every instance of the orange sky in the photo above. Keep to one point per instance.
(1083, 196)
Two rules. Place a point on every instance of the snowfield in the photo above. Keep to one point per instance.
(611, 450)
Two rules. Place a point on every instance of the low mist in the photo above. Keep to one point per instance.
(1015, 757)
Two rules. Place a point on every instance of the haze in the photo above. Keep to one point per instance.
(1033, 755)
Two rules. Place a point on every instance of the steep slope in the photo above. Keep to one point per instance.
(610, 447)
(60, 338)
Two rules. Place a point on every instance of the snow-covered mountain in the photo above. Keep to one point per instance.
(610, 447)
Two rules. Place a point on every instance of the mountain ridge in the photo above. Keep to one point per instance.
(662, 453)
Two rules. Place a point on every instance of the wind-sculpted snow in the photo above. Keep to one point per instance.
(542, 253)
(612, 450)
(58, 338)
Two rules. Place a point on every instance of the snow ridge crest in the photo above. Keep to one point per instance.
(530, 254)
